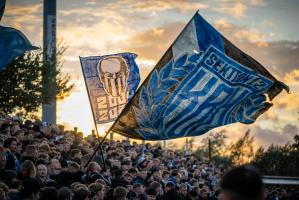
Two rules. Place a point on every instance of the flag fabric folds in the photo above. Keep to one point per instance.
(13, 43)
(111, 80)
(203, 81)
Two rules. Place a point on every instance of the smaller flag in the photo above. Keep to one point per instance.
(111, 81)
(13, 43)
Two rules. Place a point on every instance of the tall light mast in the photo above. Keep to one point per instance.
(49, 44)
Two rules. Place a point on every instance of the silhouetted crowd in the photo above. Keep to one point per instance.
(42, 161)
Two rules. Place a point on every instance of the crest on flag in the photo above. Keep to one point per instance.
(111, 80)
(203, 81)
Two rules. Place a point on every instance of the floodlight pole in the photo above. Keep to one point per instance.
(49, 46)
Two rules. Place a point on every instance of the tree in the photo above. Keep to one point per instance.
(21, 83)
(279, 160)
(218, 149)
(217, 142)
(242, 151)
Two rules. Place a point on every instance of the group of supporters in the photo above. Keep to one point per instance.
(40, 161)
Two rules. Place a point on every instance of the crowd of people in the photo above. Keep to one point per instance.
(42, 161)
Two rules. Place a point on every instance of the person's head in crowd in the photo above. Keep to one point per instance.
(28, 169)
(11, 144)
(97, 191)
(194, 182)
(101, 181)
(157, 187)
(120, 193)
(133, 172)
(19, 134)
(81, 192)
(43, 156)
(126, 165)
(54, 166)
(138, 188)
(156, 175)
(142, 174)
(42, 171)
(242, 183)
(73, 167)
(2, 158)
(44, 147)
(156, 163)
(183, 189)
(169, 186)
(204, 193)
(66, 146)
(30, 189)
(31, 151)
(76, 154)
(192, 195)
(48, 193)
(93, 167)
(64, 193)
(150, 194)
(127, 178)
(85, 159)
(74, 185)
(165, 175)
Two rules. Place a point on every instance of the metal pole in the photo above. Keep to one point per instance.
(210, 151)
(49, 45)
(111, 136)
(186, 150)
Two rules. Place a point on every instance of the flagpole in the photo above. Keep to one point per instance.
(95, 124)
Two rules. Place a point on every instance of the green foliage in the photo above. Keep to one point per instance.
(279, 160)
(21, 83)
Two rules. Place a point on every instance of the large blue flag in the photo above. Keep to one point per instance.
(111, 81)
(13, 43)
(203, 81)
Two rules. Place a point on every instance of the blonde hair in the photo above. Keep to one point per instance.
(30, 167)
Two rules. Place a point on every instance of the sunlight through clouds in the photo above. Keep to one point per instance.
(148, 28)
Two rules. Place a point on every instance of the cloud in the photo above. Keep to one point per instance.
(26, 18)
(152, 44)
(236, 8)
(156, 5)
(265, 137)
(278, 57)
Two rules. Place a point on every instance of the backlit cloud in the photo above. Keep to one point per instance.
(236, 8)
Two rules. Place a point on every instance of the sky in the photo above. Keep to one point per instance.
(267, 30)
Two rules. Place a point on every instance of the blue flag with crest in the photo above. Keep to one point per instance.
(203, 81)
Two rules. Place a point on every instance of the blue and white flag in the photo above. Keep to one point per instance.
(13, 43)
(111, 81)
(203, 81)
